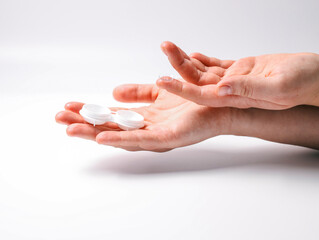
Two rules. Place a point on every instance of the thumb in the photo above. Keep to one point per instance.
(245, 86)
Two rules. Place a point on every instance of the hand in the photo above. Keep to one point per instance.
(170, 121)
(275, 81)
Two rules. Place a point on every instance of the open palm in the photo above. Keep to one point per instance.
(275, 81)
(170, 121)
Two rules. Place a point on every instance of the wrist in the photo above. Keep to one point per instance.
(240, 122)
(233, 121)
(315, 89)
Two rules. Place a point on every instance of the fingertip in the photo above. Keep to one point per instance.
(59, 117)
(71, 130)
(195, 55)
(101, 138)
(164, 81)
(136, 93)
(73, 106)
(119, 87)
(68, 105)
(68, 117)
(168, 47)
(166, 44)
(119, 91)
(125, 92)
(163, 47)
(98, 139)
(83, 131)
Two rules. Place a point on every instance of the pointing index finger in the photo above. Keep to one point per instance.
(181, 62)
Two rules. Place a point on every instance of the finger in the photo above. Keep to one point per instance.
(209, 78)
(199, 65)
(207, 61)
(68, 117)
(227, 63)
(74, 106)
(136, 149)
(130, 149)
(137, 138)
(256, 87)
(211, 98)
(203, 95)
(211, 61)
(217, 70)
(115, 109)
(182, 64)
(77, 106)
(83, 131)
(208, 95)
(166, 43)
(183, 89)
(136, 93)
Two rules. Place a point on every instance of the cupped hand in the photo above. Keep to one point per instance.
(274, 81)
(170, 121)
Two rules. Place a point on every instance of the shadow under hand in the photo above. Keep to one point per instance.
(196, 159)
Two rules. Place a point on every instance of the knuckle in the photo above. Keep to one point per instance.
(202, 97)
(246, 89)
(182, 88)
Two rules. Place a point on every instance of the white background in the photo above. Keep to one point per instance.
(56, 187)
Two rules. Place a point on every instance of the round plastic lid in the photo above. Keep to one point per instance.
(128, 120)
(98, 115)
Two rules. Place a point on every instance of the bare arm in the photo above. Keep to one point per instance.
(272, 81)
(173, 122)
(297, 126)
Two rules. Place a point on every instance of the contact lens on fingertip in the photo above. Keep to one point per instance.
(98, 115)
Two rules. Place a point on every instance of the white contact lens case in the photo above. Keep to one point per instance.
(98, 115)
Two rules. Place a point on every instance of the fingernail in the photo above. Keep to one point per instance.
(224, 91)
(166, 79)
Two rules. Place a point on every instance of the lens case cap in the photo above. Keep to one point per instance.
(98, 115)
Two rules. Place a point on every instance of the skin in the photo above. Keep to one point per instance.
(298, 125)
(274, 81)
(171, 122)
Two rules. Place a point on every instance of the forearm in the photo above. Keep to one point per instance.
(314, 94)
(297, 126)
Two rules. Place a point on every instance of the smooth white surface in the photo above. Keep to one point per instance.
(95, 114)
(48, 46)
(129, 120)
(98, 115)
(54, 187)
